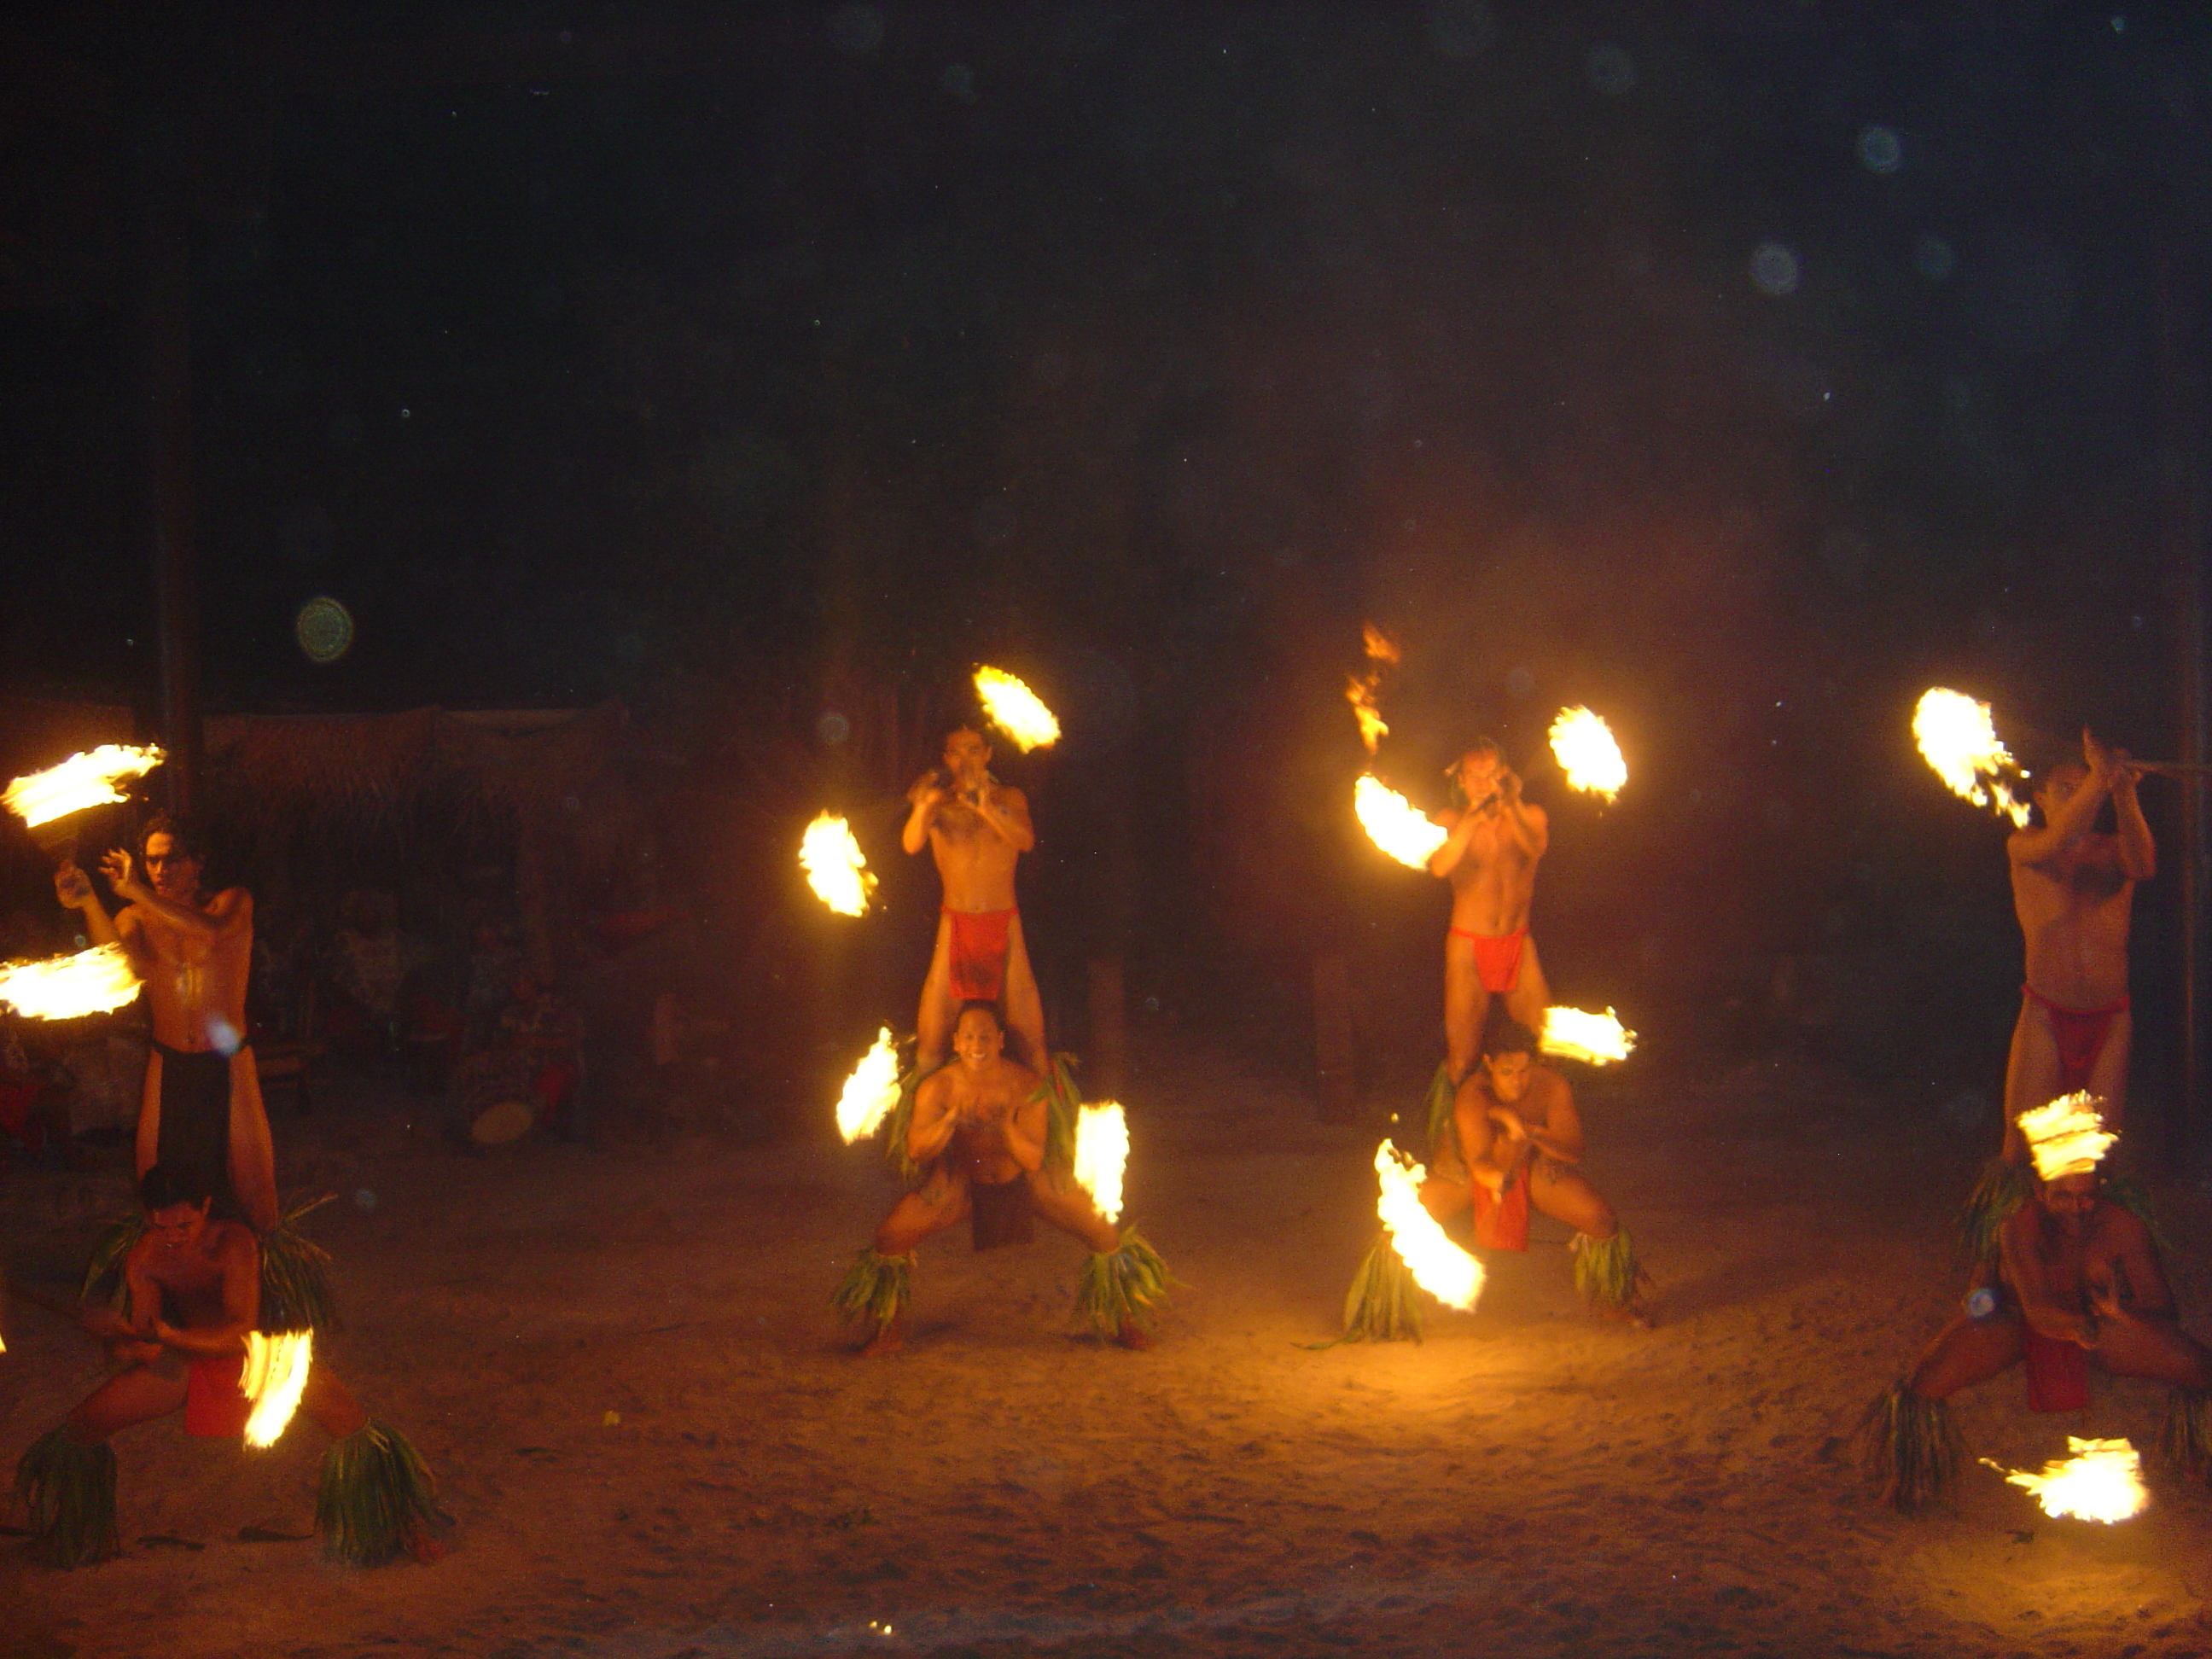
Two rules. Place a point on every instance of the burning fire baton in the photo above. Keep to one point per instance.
(871, 1092)
(1101, 1154)
(1957, 739)
(1394, 823)
(1362, 689)
(2102, 1481)
(1016, 710)
(835, 868)
(1413, 1252)
(1600, 1039)
(1583, 746)
(94, 981)
(43, 799)
(274, 1378)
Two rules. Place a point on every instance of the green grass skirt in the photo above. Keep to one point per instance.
(1606, 1270)
(1436, 1108)
(1384, 1304)
(1910, 1449)
(1122, 1287)
(876, 1289)
(68, 1490)
(377, 1494)
(295, 1278)
(2187, 1441)
(2003, 1187)
(901, 1119)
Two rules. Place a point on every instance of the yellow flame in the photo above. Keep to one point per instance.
(1583, 744)
(835, 868)
(1438, 1266)
(1101, 1154)
(276, 1376)
(1016, 710)
(1957, 736)
(1598, 1038)
(81, 780)
(1360, 689)
(94, 981)
(1392, 825)
(871, 1092)
(2102, 1481)
(2067, 1137)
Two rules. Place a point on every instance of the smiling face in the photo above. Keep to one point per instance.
(978, 1039)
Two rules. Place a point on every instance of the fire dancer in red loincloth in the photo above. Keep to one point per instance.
(1490, 858)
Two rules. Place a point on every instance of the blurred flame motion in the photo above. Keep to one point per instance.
(81, 780)
(1583, 746)
(1598, 1038)
(2067, 1137)
(871, 1092)
(1101, 1154)
(1956, 735)
(2102, 1481)
(276, 1376)
(1016, 710)
(1361, 688)
(1393, 823)
(94, 981)
(836, 869)
(1438, 1266)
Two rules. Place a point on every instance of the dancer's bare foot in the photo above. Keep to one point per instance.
(1134, 1337)
(889, 1339)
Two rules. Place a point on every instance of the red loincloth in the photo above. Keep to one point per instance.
(2058, 1371)
(2081, 1033)
(1497, 956)
(979, 953)
(216, 1405)
(1501, 1219)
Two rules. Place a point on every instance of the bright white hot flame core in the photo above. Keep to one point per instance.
(836, 869)
(1016, 710)
(1438, 1266)
(1392, 825)
(276, 1376)
(94, 981)
(1101, 1154)
(2067, 1137)
(1957, 739)
(81, 780)
(1583, 744)
(871, 1092)
(1598, 1038)
(2102, 1481)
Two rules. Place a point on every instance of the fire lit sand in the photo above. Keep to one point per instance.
(1438, 1266)
(2067, 1137)
(1583, 746)
(1101, 1154)
(94, 981)
(1393, 823)
(81, 780)
(1598, 1038)
(1016, 710)
(871, 1092)
(836, 869)
(2102, 1481)
(1957, 736)
(276, 1376)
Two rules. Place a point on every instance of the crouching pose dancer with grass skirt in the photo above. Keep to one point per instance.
(980, 1133)
(192, 1292)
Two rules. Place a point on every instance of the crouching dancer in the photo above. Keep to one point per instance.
(193, 1294)
(978, 1134)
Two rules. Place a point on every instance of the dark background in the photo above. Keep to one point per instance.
(1738, 371)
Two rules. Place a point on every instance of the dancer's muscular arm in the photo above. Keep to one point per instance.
(229, 911)
(2076, 814)
(1528, 827)
(1025, 1130)
(928, 797)
(74, 889)
(241, 1304)
(1006, 809)
(1559, 1133)
(935, 1119)
(2138, 852)
(2052, 1307)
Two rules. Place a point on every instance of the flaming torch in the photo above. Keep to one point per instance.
(835, 868)
(1438, 1266)
(274, 1378)
(1101, 1154)
(1394, 824)
(1360, 691)
(871, 1092)
(94, 981)
(1583, 744)
(1959, 739)
(2067, 1137)
(2102, 1481)
(81, 780)
(1600, 1039)
(1016, 710)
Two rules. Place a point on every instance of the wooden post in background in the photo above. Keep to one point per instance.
(1333, 1047)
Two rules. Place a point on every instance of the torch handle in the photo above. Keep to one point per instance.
(2173, 768)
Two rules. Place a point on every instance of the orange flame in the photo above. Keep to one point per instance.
(836, 869)
(871, 1092)
(1958, 739)
(1394, 824)
(2102, 1481)
(1016, 710)
(2067, 1137)
(1101, 1154)
(1583, 744)
(1360, 689)
(94, 981)
(1600, 1039)
(81, 780)
(276, 1376)
(1438, 1266)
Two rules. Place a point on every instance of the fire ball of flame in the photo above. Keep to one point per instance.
(1101, 1154)
(2067, 1137)
(1600, 1039)
(1360, 689)
(1438, 1266)
(81, 780)
(1016, 710)
(2102, 1481)
(94, 981)
(835, 868)
(1957, 736)
(1392, 825)
(871, 1092)
(1583, 744)
(276, 1376)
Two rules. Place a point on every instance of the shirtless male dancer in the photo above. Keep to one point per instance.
(1490, 859)
(1519, 1141)
(976, 828)
(979, 1132)
(201, 1109)
(2073, 889)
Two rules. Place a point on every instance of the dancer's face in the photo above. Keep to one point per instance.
(177, 1227)
(1508, 1076)
(977, 1039)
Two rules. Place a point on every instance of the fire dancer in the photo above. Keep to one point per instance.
(194, 1293)
(978, 1132)
(1489, 856)
(1517, 1143)
(2080, 1282)
(977, 829)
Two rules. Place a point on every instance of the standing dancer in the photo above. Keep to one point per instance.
(1490, 858)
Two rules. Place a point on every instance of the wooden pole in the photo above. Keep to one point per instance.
(166, 390)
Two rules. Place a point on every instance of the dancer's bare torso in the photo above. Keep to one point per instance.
(195, 982)
(985, 1121)
(2074, 909)
(974, 860)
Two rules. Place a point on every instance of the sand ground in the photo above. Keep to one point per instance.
(621, 1364)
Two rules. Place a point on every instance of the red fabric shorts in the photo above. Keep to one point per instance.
(2081, 1033)
(979, 953)
(2057, 1373)
(1497, 956)
(216, 1405)
(1501, 1219)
